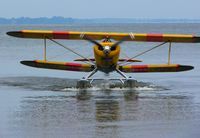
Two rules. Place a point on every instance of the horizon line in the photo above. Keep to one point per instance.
(138, 18)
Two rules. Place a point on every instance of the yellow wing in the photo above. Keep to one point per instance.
(59, 65)
(42, 34)
(155, 68)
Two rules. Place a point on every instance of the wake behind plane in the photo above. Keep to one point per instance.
(106, 48)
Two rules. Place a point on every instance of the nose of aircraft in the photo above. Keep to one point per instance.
(106, 50)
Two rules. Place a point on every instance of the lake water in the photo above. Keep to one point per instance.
(43, 103)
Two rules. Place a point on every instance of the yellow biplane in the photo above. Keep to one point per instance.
(106, 52)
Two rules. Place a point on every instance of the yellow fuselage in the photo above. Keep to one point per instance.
(106, 61)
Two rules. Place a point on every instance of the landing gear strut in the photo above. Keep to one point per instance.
(85, 82)
(128, 82)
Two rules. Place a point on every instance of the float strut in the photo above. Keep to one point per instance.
(91, 74)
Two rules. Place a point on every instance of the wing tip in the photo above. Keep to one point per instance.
(185, 67)
(15, 33)
(28, 63)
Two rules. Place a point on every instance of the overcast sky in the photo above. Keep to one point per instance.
(101, 8)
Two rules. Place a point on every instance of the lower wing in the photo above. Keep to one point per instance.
(59, 65)
(155, 68)
(127, 69)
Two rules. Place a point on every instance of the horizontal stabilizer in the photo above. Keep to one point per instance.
(59, 65)
(129, 60)
(84, 59)
(42, 34)
(120, 60)
(155, 68)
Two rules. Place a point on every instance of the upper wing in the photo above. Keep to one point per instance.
(59, 65)
(154, 68)
(42, 34)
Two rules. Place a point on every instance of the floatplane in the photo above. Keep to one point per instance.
(106, 53)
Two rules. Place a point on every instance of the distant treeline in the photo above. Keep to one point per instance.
(62, 20)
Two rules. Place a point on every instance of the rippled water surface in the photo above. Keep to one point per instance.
(45, 103)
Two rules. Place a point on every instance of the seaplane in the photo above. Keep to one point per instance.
(106, 48)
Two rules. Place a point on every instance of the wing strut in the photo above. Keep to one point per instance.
(125, 62)
(69, 49)
(169, 52)
(45, 49)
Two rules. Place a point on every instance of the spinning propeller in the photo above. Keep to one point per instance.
(106, 49)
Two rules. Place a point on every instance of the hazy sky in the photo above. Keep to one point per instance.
(101, 8)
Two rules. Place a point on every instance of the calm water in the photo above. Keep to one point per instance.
(43, 103)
